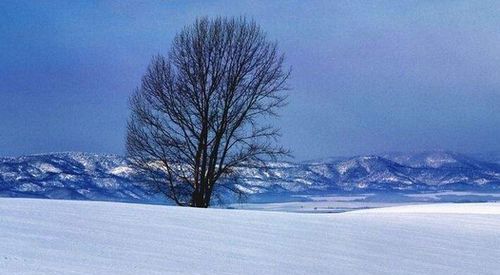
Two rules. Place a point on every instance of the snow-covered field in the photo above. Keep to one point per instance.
(77, 237)
(348, 202)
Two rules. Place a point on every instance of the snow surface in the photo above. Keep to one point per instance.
(82, 237)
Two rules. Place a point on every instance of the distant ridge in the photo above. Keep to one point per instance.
(90, 176)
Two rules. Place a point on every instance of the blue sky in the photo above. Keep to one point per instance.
(368, 76)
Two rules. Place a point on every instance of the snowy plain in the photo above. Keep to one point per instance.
(348, 202)
(82, 237)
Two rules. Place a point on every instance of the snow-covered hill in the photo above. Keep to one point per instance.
(82, 176)
(107, 177)
(76, 237)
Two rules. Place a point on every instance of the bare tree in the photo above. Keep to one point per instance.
(198, 112)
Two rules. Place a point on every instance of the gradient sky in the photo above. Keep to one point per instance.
(367, 77)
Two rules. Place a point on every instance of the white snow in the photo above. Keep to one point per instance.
(28, 186)
(343, 167)
(438, 160)
(77, 237)
(445, 208)
(48, 168)
(121, 171)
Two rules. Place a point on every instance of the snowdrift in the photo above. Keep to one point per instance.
(81, 237)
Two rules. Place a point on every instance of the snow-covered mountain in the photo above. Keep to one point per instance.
(71, 176)
(108, 177)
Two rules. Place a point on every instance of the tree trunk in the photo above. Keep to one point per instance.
(198, 200)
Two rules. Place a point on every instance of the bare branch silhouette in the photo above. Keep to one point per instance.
(198, 112)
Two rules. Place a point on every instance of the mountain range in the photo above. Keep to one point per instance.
(88, 176)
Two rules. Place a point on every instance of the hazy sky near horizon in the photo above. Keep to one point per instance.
(368, 76)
